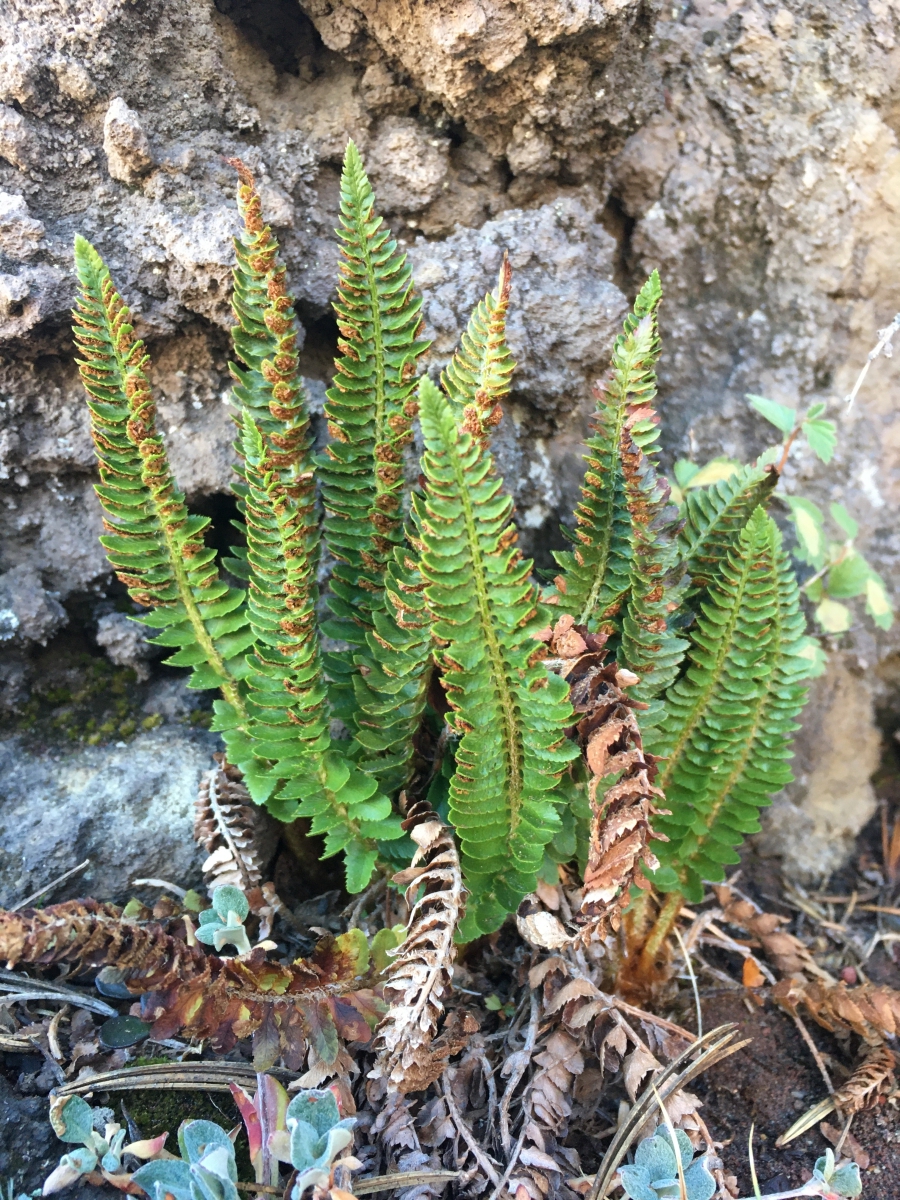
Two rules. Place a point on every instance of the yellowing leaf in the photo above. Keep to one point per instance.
(809, 522)
(878, 604)
(833, 617)
(714, 472)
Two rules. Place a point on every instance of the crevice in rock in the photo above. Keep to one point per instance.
(320, 347)
(616, 221)
(281, 30)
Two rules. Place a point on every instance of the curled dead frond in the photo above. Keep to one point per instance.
(786, 952)
(871, 1010)
(408, 1058)
(238, 835)
(309, 1007)
(622, 792)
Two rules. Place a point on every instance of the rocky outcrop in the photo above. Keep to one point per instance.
(747, 148)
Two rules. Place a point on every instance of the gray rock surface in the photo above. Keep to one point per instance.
(747, 148)
(126, 807)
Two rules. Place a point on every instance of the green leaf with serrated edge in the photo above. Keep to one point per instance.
(511, 711)
(684, 471)
(810, 653)
(730, 719)
(779, 415)
(848, 577)
(155, 546)
(843, 518)
(715, 471)
(822, 438)
(383, 943)
(595, 575)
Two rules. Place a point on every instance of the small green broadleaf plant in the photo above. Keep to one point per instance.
(655, 1176)
(313, 1136)
(840, 571)
(434, 610)
(73, 1120)
(223, 924)
(205, 1171)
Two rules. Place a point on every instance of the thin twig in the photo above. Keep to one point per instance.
(51, 886)
(883, 345)
(514, 1157)
(813, 1049)
(467, 1136)
(401, 1179)
(518, 1071)
(840, 1142)
(654, 1020)
(491, 1085)
(180, 892)
(354, 910)
(690, 971)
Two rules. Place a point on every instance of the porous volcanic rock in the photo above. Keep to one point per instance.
(747, 148)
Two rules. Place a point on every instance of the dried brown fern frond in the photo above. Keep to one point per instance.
(611, 742)
(786, 952)
(87, 934)
(312, 1005)
(408, 1058)
(238, 835)
(865, 1088)
(871, 1010)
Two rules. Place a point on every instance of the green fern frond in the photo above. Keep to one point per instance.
(595, 575)
(714, 518)
(369, 410)
(286, 695)
(275, 490)
(391, 697)
(478, 376)
(511, 712)
(727, 734)
(154, 545)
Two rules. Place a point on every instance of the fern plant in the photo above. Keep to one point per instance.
(436, 680)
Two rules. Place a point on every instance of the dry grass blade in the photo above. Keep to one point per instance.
(421, 971)
(175, 1077)
(716, 1045)
(871, 1079)
(237, 835)
(402, 1179)
(23, 987)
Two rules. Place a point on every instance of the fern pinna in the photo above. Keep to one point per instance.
(446, 665)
